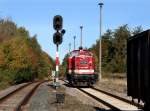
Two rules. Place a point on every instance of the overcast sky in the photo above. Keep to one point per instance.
(37, 17)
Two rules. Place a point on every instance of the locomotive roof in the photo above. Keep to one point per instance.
(142, 34)
(81, 52)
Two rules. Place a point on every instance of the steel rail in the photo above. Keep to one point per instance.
(24, 99)
(104, 101)
(120, 98)
(24, 102)
(12, 92)
(139, 106)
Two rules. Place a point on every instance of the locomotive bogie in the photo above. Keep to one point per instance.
(89, 79)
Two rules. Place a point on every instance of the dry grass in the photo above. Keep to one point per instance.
(4, 85)
(114, 83)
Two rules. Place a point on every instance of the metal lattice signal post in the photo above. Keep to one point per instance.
(100, 38)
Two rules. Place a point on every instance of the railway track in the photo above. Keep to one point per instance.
(120, 98)
(17, 99)
(112, 101)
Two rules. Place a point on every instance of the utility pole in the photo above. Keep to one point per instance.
(69, 47)
(81, 27)
(100, 39)
(74, 42)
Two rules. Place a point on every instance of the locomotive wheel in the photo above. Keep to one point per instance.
(89, 84)
(70, 83)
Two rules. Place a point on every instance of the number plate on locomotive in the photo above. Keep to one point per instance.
(83, 62)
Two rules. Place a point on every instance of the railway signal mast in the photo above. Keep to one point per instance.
(57, 39)
(100, 39)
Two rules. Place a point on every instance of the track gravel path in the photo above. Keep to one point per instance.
(44, 99)
(41, 100)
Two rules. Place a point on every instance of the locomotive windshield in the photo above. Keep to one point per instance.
(75, 53)
(85, 52)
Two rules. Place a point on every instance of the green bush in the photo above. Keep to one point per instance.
(6, 78)
(23, 76)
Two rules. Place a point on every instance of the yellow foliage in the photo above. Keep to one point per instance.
(2, 60)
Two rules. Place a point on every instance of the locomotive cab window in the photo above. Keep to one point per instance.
(74, 53)
(85, 52)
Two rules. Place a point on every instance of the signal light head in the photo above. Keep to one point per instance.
(57, 25)
(57, 38)
(57, 22)
(63, 31)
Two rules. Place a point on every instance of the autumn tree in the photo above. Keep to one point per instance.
(8, 29)
(21, 57)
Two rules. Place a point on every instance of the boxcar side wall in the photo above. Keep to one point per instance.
(138, 66)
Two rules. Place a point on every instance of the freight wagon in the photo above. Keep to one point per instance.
(138, 67)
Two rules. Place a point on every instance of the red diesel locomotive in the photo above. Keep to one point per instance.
(81, 68)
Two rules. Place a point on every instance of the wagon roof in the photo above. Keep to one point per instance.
(142, 34)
